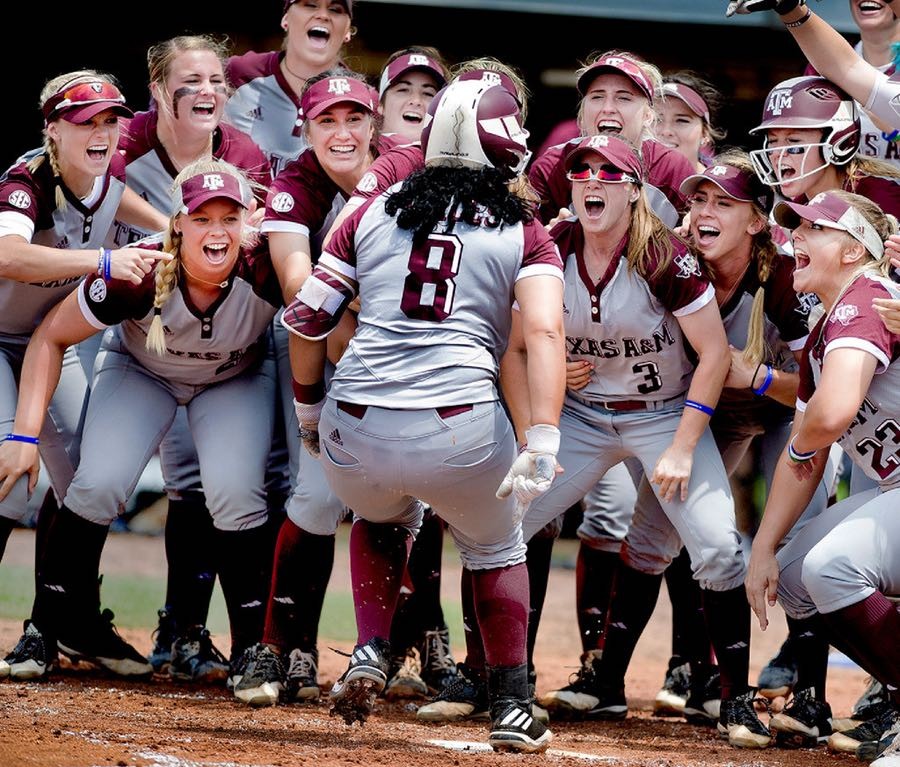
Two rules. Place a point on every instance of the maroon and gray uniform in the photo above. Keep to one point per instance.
(151, 173)
(28, 209)
(264, 107)
(849, 551)
(627, 327)
(413, 409)
(212, 366)
(664, 170)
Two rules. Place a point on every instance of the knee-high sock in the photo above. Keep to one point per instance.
(190, 548)
(809, 640)
(300, 575)
(540, 549)
(501, 603)
(68, 592)
(595, 573)
(867, 628)
(243, 561)
(6, 527)
(727, 616)
(629, 612)
(421, 610)
(49, 509)
(690, 639)
(378, 556)
(474, 642)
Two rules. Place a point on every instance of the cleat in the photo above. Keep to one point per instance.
(405, 682)
(237, 666)
(100, 643)
(869, 731)
(464, 698)
(885, 753)
(870, 704)
(263, 679)
(353, 695)
(739, 722)
(585, 696)
(779, 675)
(438, 667)
(671, 699)
(514, 728)
(805, 722)
(164, 636)
(32, 657)
(302, 675)
(704, 704)
(196, 659)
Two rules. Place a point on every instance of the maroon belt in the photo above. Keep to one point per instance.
(358, 411)
(625, 404)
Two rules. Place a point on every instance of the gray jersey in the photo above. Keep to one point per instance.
(626, 325)
(435, 317)
(873, 437)
(28, 209)
(202, 347)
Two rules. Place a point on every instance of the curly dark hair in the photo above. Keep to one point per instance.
(433, 194)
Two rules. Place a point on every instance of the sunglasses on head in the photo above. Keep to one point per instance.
(608, 174)
(81, 94)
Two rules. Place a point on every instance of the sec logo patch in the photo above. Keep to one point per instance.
(97, 291)
(282, 202)
(20, 199)
(367, 183)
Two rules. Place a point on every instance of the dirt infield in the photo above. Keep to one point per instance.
(82, 719)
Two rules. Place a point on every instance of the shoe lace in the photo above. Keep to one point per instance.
(302, 664)
(269, 664)
(208, 649)
(461, 688)
(437, 655)
(584, 676)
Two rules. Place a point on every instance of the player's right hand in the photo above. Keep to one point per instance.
(133, 264)
(761, 583)
(534, 469)
(308, 418)
(780, 7)
(16, 459)
(578, 374)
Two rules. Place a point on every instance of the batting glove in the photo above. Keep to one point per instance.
(308, 418)
(534, 469)
(780, 7)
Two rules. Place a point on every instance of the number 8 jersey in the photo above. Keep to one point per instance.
(625, 325)
(434, 318)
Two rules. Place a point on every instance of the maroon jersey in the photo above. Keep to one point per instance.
(664, 170)
(389, 169)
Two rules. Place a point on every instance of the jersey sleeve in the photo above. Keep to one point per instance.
(807, 385)
(681, 286)
(665, 169)
(300, 198)
(884, 100)
(388, 169)
(540, 254)
(547, 176)
(108, 302)
(784, 307)
(21, 203)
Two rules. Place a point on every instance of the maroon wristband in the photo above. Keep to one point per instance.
(308, 394)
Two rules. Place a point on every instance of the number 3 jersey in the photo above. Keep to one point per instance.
(626, 325)
(434, 318)
(873, 437)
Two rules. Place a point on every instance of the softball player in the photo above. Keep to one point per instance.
(619, 92)
(632, 299)
(187, 84)
(265, 103)
(832, 56)
(56, 205)
(841, 568)
(191, 332)
(688, 115)
(407, 84)
(422, 365)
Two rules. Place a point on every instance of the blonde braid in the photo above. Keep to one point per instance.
(166, 281)
(764, 253)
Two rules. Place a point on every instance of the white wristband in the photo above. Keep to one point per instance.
(542, 438)
(309, 413)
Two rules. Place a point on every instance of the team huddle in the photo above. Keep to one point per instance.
(318, 298)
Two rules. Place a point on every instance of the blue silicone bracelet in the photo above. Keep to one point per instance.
(699, 406)
(21, 438)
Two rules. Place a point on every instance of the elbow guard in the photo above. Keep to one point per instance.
(318, 306)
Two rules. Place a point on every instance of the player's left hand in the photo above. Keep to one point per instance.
(534, 469)
(308, 418)
(761, 583)
(673, 473)
(740, 374)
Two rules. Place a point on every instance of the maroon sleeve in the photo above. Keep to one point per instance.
(388, 169)
(302, 193)
(782, 305)
(112, 301)
(666, 168)
(569, 238)
(539, 247)
(885, 192)
(240, 150)
(853, 317)
(117, 167)
(21, 193)
(681, 282)
(248, 66)
(135, 135)
(548, 177)
(560, 133)
(807, 386)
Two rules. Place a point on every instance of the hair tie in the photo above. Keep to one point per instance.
(157, 310)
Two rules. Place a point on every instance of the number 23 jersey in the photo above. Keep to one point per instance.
(626, 324)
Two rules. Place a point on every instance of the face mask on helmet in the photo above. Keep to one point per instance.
(806, 103)
(474, 124)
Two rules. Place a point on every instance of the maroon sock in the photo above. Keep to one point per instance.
(595, 573)
(378, 555)
(866, 628)
(474, 641)
(727, 616)
(302, 568)
(540, 550)
(690, 639)
(501, 603)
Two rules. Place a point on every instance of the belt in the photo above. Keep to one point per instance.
(627, 405)
(358, 411)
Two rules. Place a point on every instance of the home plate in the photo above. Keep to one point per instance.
(471, 745)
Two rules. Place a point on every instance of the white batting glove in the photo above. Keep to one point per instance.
(308, 418)
(534, 469)
(752, 6)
